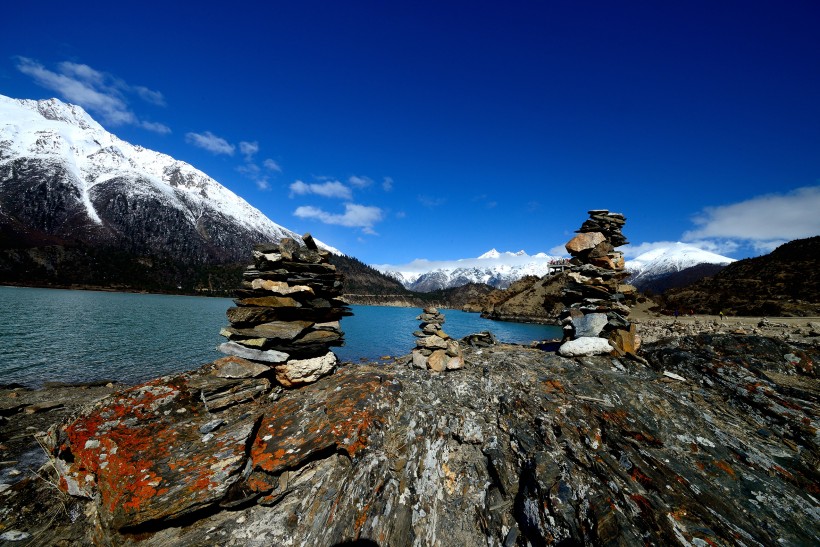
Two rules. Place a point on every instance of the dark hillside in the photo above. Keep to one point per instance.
(682, 278)
(785, 282)
(361, 279)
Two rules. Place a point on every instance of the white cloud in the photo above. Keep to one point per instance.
(360, 182)
(330, 189)
(150, 96)
(100, 93)
(210, 142)
(156, 127)
(271, 165)
(355, 216)
(723, 247)
(248, 149)
(387, 184)
(762, 221)
(558, 250)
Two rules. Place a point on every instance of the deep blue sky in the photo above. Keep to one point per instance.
(493, 124)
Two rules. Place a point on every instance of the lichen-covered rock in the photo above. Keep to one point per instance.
(713, 440)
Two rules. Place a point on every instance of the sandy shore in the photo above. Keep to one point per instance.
(652, 326)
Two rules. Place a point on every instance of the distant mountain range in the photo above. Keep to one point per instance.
(80, 205)
(655, 269)
(493, 268)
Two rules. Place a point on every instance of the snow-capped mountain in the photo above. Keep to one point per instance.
(669, 260)
(63, 176)
(492, 268)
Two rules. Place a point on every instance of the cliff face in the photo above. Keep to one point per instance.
(712, 441)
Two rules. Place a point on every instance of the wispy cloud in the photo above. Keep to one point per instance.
(360, 182)
(210, 142)
(387, 184)
(329, 189)
(485, 199)
(430, 202)
(763, 222)
(355, 216)
(271, 165)
(248, 149)
(100, 93)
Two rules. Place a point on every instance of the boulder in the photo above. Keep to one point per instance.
(584, 242)
(437, 362)
(587, 345)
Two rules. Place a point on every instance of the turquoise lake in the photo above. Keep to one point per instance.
(53, 335)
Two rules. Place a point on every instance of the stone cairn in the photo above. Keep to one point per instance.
(435, 350)
(596, 300)
(287, 312)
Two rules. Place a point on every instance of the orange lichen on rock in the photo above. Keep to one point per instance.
(342, 413)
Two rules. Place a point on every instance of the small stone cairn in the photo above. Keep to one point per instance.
(435, 350)
(287, 312)
(595, 319)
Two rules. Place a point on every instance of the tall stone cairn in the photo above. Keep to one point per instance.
(435, 350)
(287, 312)
(596, 299)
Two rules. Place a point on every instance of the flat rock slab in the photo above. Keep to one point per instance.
(141, 453)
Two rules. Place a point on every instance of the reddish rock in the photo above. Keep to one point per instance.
(336, 414)
(141, 454)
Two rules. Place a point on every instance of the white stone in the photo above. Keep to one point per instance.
(586, 345)
(305, 371)
(268, 356)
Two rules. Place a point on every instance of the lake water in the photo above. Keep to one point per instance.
(78, 336)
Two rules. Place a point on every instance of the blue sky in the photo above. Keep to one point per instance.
(438, 130)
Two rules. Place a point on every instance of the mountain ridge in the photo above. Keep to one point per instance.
(75, 199)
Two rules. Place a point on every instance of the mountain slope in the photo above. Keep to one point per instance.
(784, 282)
(66, 182)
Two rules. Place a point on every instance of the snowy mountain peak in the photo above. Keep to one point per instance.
(669, 259)
(492, 253)
(75, 151)
(674, 257)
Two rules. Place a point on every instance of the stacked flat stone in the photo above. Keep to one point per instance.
(287, 312)
(597, 301)
(435, 350)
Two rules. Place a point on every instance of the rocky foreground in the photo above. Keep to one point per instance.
(713, 441)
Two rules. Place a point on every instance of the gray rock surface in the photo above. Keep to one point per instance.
(712, 441)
